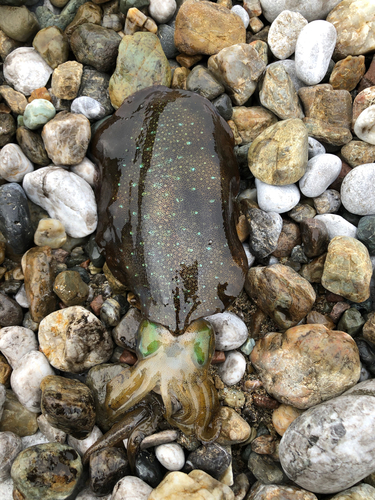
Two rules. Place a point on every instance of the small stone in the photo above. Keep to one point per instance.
(321, 171)
(351, 322)
(137, 21)
(95, 84)
(264, 445)
(16, 418)
(87, 13)
(364, 127)
(315, 148)
(366, 232)
(88, 107)
(251, 121)
(41, 93)
(82, 445)
(212, 459)
(310, 10)
(242, 13)
(202, 81)
(171, 456)
(265, 229)
(369, 79)
(88, 171)
(37, 472)
(194, 34)
(32, 145)
(15, 342)
(107, 467)
(328, 202)
(230, 331)
(26, 70)
(223, 106)
(61, 331)
(348, 269)
(52, 44)
(110, 313)
(290, 67)
(273, 491)
(124, 334)
(274, 159)
(347, 73)
(15, 100)
(279, 199)
(281, 293)
(10, 447)
(265, 469)
(130, 486)
(362, 101)
(66, 80)
(37, 113)
(70, 288)
(234, 429)
(337, 225)
(321, 363)
(356, 193)
(14, 165)
(283, 416)
(113, 21)
(159, 438)
(314, 237)
(166, 36)
(51, 433)
(289, 237)
(233, 368)
(7, 128)
(283, 34)
(50, 232)
(162, 10)
(358, 153)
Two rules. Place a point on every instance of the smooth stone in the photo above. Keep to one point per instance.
(360, 492)
(242, 13)
(148, 468)
(310, 10)
(366, 232)
(290, 236)
(314, 48)
(162, 437)
(7, 128)
(162, 10)
(362, 101)
(110, 313)
(88, 107)
(10, 447)
(283, 416)
(284, 31)
(279, 199)
(233, 368)
(335, 432)
(212, 459)
(321, 171)
(230, 331)
(47, 471)
(15, 342)
(314, 236)
(141, 63)
(38, 113)
(14, 165)
(125, 5)
(74, 339)
(26, 70)
(52, 44)
(63, 146)
(27, 377)
(322, 364)
(280, 292)
(347, 73)
(50, 232)
(238, 68)
(265, 469)
(328, 202)
(274, 159)
(166, 36)
(223, 106)
(194, 33)
(95, 84)
(65, 196)
(265, 229)
(197, 484)
(337, 225)
(107, 467)
(88, 171)
(15, 100)
(89, 12)
(357, 153)
(252, 121)
(315, 148)
(32, 145)
(70, 288)
(357, 194)
(88, 494)
(131, 487)
(16, 418)
(203, 82)
(171, 456)
(18, 22)
(82, 445)
(66, 80)
(348, 269)
(52, 434)
(364, 127)
(354, 21)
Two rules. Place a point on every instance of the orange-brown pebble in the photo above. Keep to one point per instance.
(5, 370)
(4, 108)
(263, 445)
(242, 227)
(338, 309)
(283, 416)
(41, 93)
(85, 264)
(218, 357)
(252, 385)
(263, 401)
(128, 357)
(96, 304)
(188, 61)
(315, 317)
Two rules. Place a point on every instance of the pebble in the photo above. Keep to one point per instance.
(131, 487)
(66, 80)
(242, 13)
(271, 491)
(14, 165)
(290, 67)
(234, 429)
(351, 322)
(10, 312)
(357, 153)
(15, 100)
(171, 456)
(95, 84)
(52, 44)
(38, 113)
(124, 334)
(233, 368)
(366, 232)
(74, 339)
(26, 70)
(265, 229)
(166, 36)
(18, 22)
(356, 193)
(10, 447)
(337, 225)
(251, 121)
(52, 434)
(328, 202)
(230, 331)
(88, 494)
(212, 459)
(107, 467)
(279, 199)
(162, 10)
(284, 31)
(15, 342)
(360, 492)
(50, 232)
(16, 418)
(283, 416)
(314, 48)
(202, 81)
(89, 107)
(7, 128)
(266, 470)
(310, 10)
(88, 171)
(110, 313)
(65, 196)
(315, 148)
(364, 127)
(314, 236)
(32, 145)
(347, 73)
(82, 445)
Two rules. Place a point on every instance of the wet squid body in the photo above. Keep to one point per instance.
(167, 226)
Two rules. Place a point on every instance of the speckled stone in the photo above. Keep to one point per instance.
(328, 202)
(348, 269)
(357, 153)
(284, 31)
(281, 293)
(66, 80)
(252, 121)
(212, 459)
(52, 44)
(347, 73)
(32, 145)
(265, 229)
(50, 232)
(15, 342)
(360, 492)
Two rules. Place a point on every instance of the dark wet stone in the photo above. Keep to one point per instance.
(366, 353)
(93, 253)
(15, 218)
(124, 304)
(149, 469)
(351, 322)
(203, 82)
(10, 312)
(50, 471)
(366, 232)
(241, 153)
(315, 237)
(68, 405)
(7, 128)
(213, 459)
(95, 46)
(32, 145)
(166, 36)
(95, 84)
(107, 466)
(223, 105)
(76, 257)
(70, 288)
(83, 273)
(10, 287)
(266, 470)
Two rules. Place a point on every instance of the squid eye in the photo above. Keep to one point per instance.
(203, 347)
(149, 335)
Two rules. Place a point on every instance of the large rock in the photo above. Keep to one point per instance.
(357, 193)
(205, 28)
(331, 447)
(347, 269)
(281, 293)
(306, 365)
(274, 158)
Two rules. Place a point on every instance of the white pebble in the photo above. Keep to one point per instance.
(82, 445)
(357, 190)
(364, 126)
(6, 489)
(321, 171)
(15, 342)
(162, 10)
(14, 164)
(87, 170)
(171, 456)
(65, 196)
(34, 439)
(21, 297)
(89, 107)
(279, 199)
(26, 70)
(131, 488)
(315, 46)
(27, 377)
(283, 34)
(241, 12)
(315, 148)
(230, 331)
(233, 368)
(310, 9)
(337, 225)
(49, 432)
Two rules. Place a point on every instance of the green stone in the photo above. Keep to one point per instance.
(141, 63)
(46, 18)
(16, 418)
(70, 288)
(52, 44)
(351, 322)
(37, 113)
(366, 232)
(125, 5)
(18, 22)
